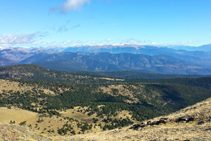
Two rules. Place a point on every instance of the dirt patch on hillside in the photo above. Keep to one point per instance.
(110, 79)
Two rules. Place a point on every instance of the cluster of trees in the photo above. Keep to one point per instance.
(66, 127)
(114, 123)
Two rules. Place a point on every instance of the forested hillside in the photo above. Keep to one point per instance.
(35, 72)
(92, 107)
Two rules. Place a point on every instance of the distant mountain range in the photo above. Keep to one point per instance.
(135, 49)
(114, 58)
(191, 48)
(6, 62)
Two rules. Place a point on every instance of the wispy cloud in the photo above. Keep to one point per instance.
(76, 26)
(17, 38)
(62, 29)
(68, 21)
(69, 5)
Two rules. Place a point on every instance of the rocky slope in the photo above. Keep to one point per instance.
(10, 132)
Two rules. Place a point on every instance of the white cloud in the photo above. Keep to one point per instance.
(17, 38)
(70, 5)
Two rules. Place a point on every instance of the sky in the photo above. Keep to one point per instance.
(65, 23)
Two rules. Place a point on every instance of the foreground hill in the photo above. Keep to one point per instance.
(191, 124)
(177, 128)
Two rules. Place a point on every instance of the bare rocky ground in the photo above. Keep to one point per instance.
(190, 124)
(10, 132)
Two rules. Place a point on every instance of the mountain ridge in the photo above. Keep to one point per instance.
(121, 62)
(123, 58)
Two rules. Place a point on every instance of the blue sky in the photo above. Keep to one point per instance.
(64, 23)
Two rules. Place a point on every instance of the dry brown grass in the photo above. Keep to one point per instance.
(17, 115)
(48, 123)
(31, 118)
